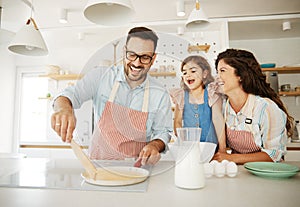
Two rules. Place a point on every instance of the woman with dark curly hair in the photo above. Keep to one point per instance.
(258, 123)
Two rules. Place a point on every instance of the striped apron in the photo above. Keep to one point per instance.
(241, 141)
(121, 131)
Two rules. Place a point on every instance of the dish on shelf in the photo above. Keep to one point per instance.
(117, 176)
(268, 65)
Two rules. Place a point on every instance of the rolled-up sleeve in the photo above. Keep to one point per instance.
(273, 131)
(84, 89)
(162, 123)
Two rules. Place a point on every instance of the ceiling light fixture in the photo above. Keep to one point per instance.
(180, 30)
(180, 8)
(109, 12)
(63, 18)
(197, 18)
(29, 41)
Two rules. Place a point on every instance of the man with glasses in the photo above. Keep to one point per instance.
(132, 110)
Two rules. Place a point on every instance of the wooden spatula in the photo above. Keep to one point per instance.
(85, 161)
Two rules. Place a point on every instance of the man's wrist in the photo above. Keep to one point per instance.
(158, 144)
(62, 103)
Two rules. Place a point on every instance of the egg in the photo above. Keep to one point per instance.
(219, 170)
(231, 169)
(208, 169)
(213, 162)
(225, 162)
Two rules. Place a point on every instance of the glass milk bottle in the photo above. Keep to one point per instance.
(189, 171)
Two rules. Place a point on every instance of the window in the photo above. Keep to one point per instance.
(33, 108)
(33, 111)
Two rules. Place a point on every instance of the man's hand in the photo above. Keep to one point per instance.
(63, 120)
(150, 154)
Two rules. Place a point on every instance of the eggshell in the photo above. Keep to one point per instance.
(219, 169)
(213, 162)
(208, 170)
(231, 169)
(225, 162)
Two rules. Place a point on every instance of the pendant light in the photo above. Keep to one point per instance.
(197, 18)
(29, 41)
(180, 8)
(63, 18)
(109, 12)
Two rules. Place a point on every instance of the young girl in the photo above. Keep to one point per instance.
(197, 104)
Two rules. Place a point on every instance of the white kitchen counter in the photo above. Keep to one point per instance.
(244, 190)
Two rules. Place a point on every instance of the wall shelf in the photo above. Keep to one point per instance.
(45, 98)
(283, 70)
(192, 48)
(63, 77)
(156, 74)
(289, 93)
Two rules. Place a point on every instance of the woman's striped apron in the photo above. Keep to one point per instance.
(240, 141)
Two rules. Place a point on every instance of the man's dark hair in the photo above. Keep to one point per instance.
(143, 33)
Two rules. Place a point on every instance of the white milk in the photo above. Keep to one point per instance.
(189, 171)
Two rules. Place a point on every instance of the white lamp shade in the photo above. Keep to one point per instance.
(28, 41)
(197, 19)
(109, 12)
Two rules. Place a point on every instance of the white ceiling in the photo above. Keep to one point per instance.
(159, 14)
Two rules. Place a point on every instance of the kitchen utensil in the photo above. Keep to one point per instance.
(296, 134)
(285, 87)
(207, 150)
(112, 176)
(85, 161)
(189, 170)
(272, 78)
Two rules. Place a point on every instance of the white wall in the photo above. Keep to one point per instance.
(284, 51)
(7, 86)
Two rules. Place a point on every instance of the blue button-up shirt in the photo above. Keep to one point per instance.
(97, 85)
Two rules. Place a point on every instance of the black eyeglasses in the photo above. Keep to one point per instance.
(144, 59)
